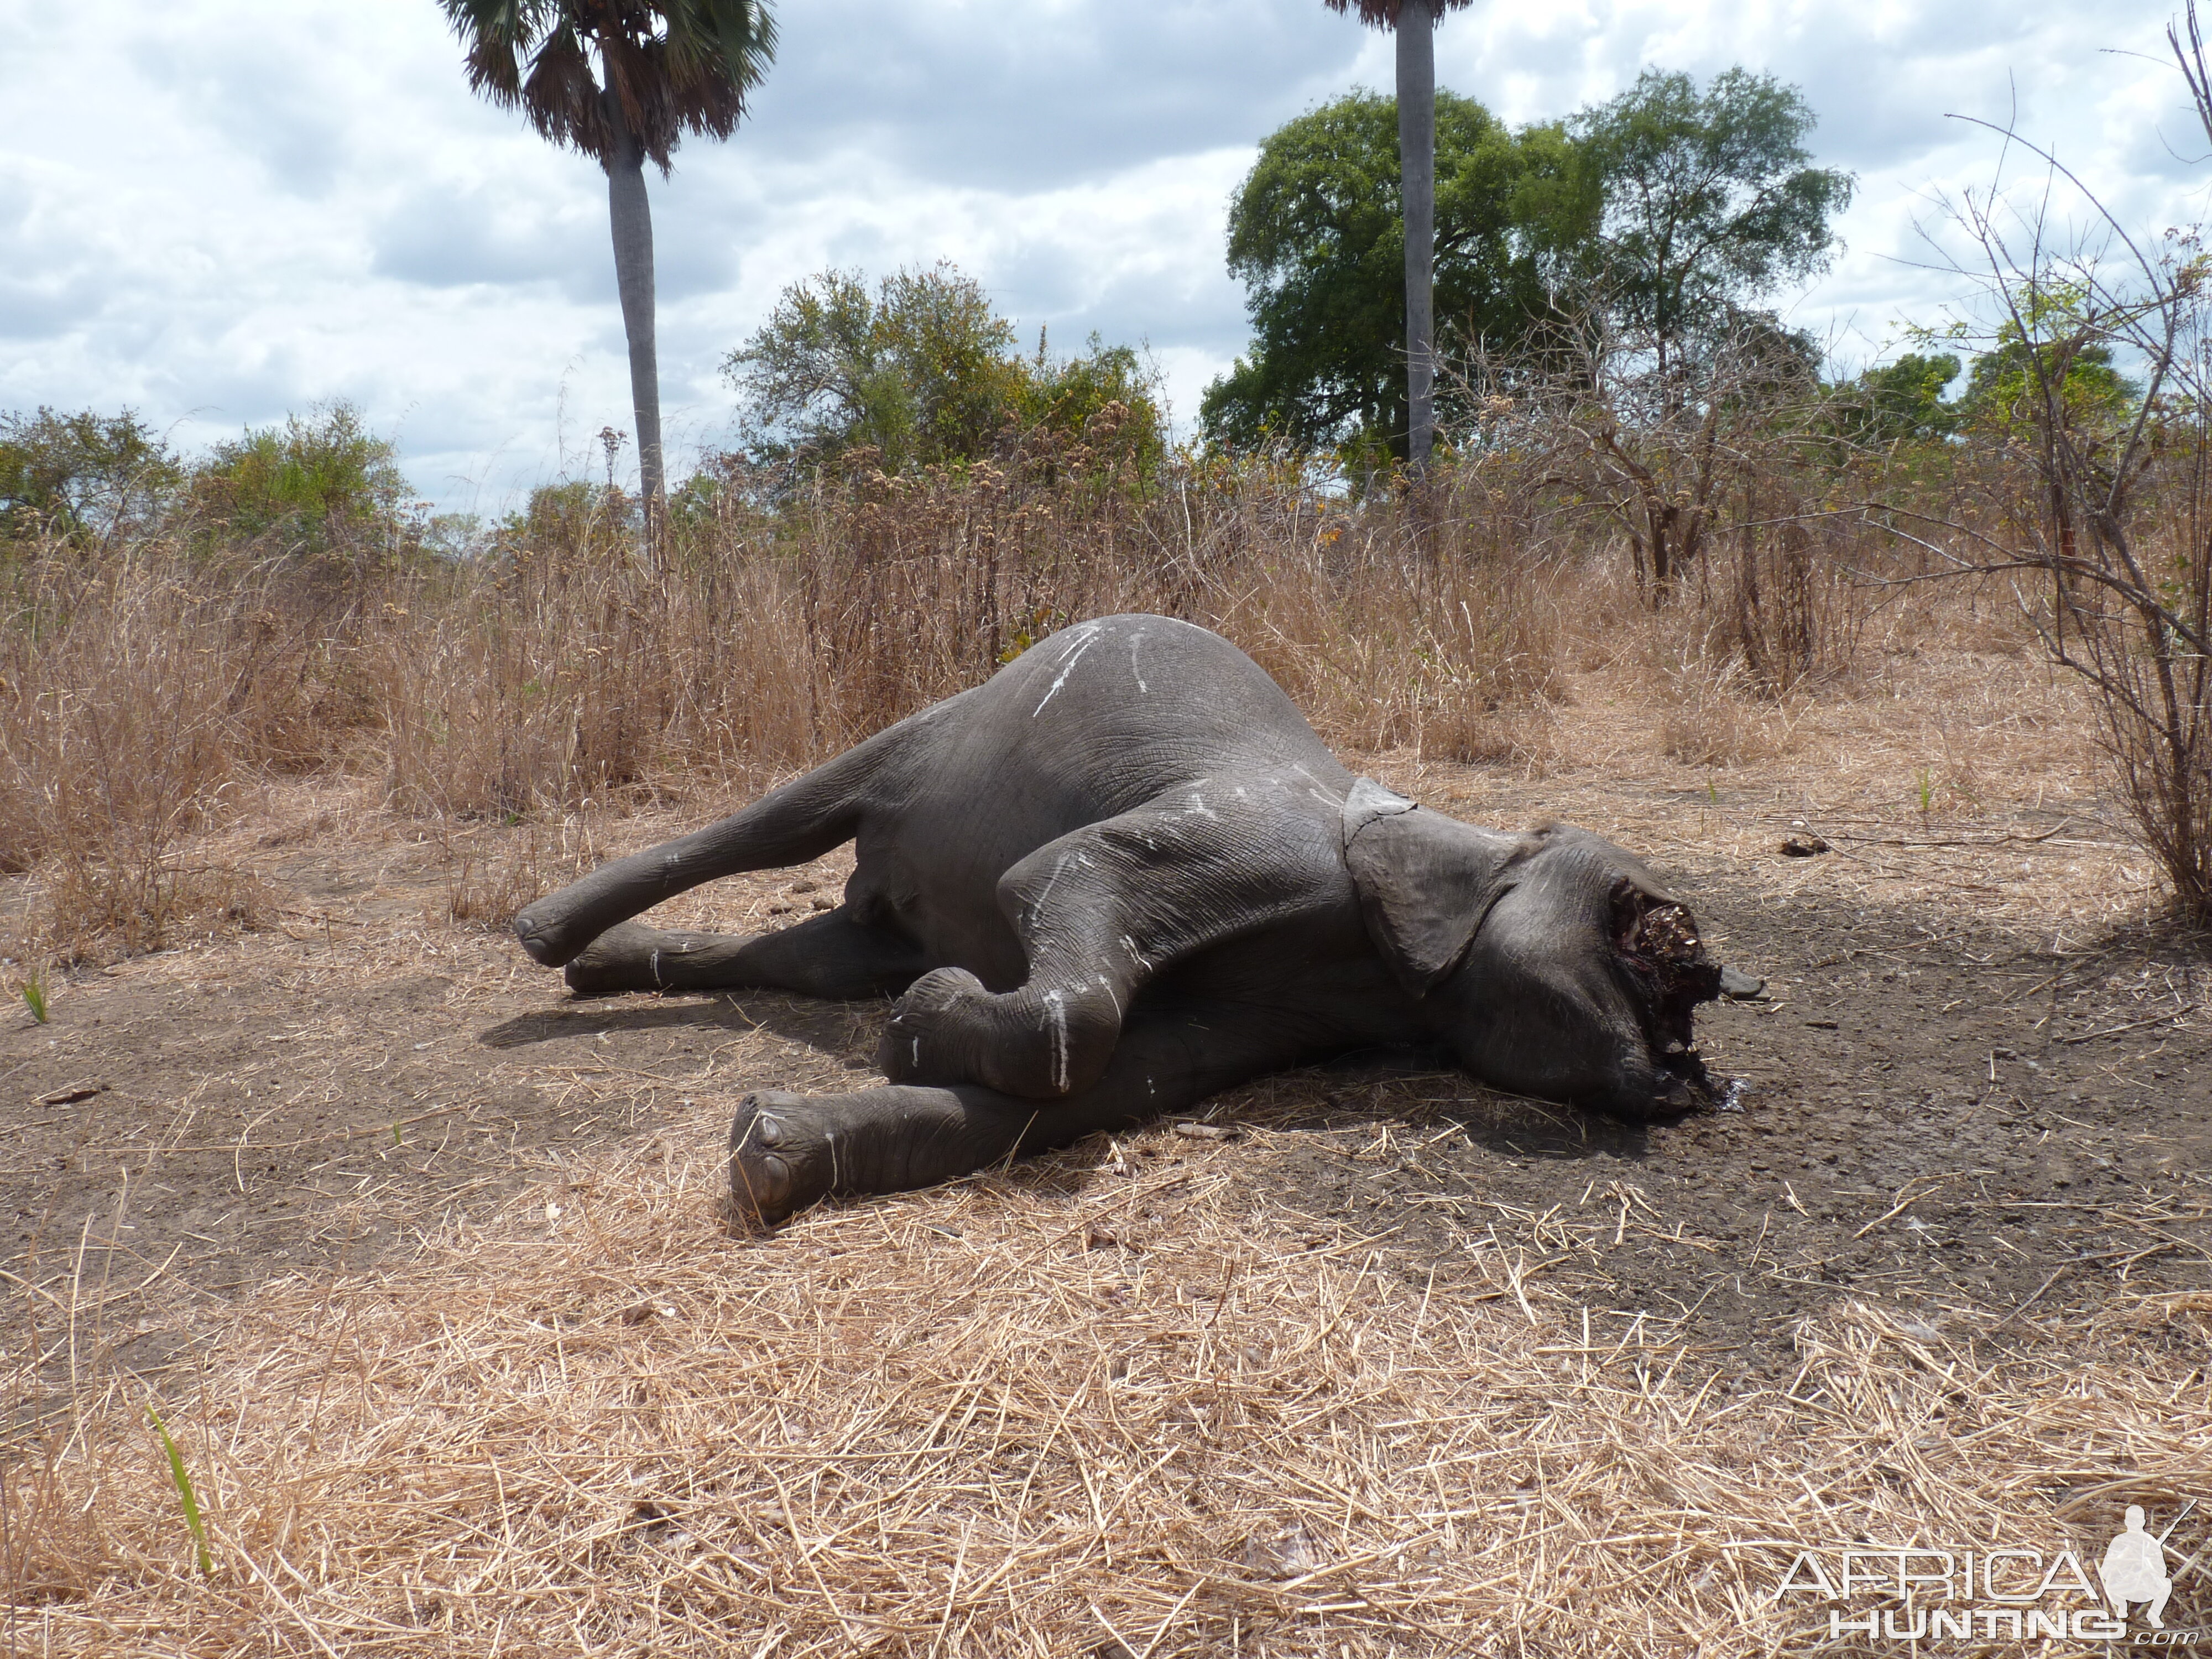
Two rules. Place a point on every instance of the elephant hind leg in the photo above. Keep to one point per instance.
(802, 820)
(828, 956)
(788, 1151)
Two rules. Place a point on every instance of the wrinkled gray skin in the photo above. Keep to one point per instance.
(1125, 874)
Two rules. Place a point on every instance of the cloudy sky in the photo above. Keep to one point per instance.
(218, 211)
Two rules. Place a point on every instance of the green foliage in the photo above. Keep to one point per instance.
(35, 996)
(1901, 402)
(575, 517)
(2006, 387)
(81, 476)
(1107, 398)
(921, 371)
(185, 1496)
(1317, 233)
(314, 482)
(918, 373)
(1710, 202)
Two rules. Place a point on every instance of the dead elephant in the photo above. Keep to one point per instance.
(1122, 875)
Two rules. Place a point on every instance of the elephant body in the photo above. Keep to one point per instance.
(1124, 874)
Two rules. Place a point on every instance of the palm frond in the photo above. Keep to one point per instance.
(668, 68)
(562, 98)
(1383, 14)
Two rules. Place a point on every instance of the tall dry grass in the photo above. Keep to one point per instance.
(147, 692)
(137, 696)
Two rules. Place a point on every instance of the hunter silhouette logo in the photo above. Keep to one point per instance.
(2134, 1568)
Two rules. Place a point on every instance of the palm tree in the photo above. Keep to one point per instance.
(666, 67)
(1414, 22)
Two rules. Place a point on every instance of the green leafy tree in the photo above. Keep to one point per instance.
(2005, 389)
(1710, 204)
(82, 474)
(1413, 24)
(919, 371)
(1901, 402)
(314, 482)
(1105, 387)
(1316, 235)
(666, 68)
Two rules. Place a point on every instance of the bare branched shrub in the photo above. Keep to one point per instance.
(2094, 497)
(1793, 605)
(1713, 483)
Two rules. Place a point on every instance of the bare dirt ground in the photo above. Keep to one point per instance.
(1979, 1098)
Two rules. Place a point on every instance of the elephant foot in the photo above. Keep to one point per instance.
(1034, 1043)
(784, 1156)
(930, 1038)
(788, 1151)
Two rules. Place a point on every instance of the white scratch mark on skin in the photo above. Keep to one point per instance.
(655, 966)
(1135, 955)
(1090, 635)
(1198, 808)
(1107, 986)
(1135, 672)
(917, 1052)
(1149, 1088)
(1045, 892)
(1056, 1015)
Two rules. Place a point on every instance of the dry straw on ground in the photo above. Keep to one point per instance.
(1079, 1404)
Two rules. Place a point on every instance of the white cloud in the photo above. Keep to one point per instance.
(256, 205)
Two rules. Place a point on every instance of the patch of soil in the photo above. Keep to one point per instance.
(193, 1123)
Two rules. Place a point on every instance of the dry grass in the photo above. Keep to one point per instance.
(1059, 1408)
(132, 700)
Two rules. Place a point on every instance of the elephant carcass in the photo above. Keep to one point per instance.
(1124, 874)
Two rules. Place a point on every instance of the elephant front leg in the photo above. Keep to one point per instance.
(788, 1151)
(1041, 1042)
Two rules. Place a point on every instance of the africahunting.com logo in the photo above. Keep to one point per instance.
(2138, 1591)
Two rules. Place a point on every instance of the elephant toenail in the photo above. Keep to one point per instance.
(769, 1131)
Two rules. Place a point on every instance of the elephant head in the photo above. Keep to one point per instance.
(1553, 962)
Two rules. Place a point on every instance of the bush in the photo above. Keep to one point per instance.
(922, 373)
(317, 484)
(81, 477)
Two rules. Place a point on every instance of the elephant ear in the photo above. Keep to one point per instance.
(1425, 881)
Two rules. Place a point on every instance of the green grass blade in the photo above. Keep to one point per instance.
(184, 1483)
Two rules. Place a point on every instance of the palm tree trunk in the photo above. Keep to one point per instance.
(631, 216)
(1417, 170)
